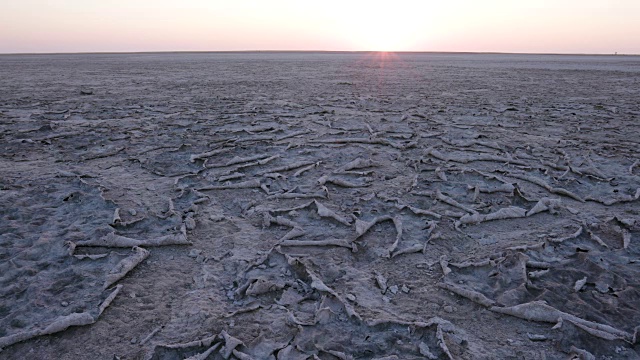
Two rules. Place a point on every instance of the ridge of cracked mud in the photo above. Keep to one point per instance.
(319, 207)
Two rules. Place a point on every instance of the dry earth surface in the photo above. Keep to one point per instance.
(319, 206)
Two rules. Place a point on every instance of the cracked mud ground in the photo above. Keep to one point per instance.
(319, 206)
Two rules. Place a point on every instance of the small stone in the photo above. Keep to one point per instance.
(426, 352)
(190, 223)
(134, 340)
(536, 337)
(194, 253)
(516, 343)
(405, 289)
(381, 281)
(133, 212)
(171, 257)
(580, 284)
(64, 303)
(393, 289)
(572, 210)
(132, 295)
(448, 308)
(351, 297)
(459, 338)
(216, 218)
(628, 222)
(386, 299)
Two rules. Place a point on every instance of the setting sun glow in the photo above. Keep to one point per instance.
(571, 26)
(381, 27)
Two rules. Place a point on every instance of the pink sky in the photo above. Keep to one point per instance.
(560, 26)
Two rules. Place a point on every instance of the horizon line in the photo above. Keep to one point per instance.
(314, 51)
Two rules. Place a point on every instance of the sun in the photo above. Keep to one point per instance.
(388, 28)
(387, 36)
(387, 40)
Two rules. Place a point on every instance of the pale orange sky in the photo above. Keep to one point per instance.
(559, 26)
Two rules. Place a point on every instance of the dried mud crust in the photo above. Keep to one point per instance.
(289, 206)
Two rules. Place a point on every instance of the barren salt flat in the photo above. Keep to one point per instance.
(319, 206)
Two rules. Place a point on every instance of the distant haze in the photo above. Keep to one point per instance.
(540, 26)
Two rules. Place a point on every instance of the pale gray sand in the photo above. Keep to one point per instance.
(496, 181)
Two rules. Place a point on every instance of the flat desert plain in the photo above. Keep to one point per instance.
(319, 206)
